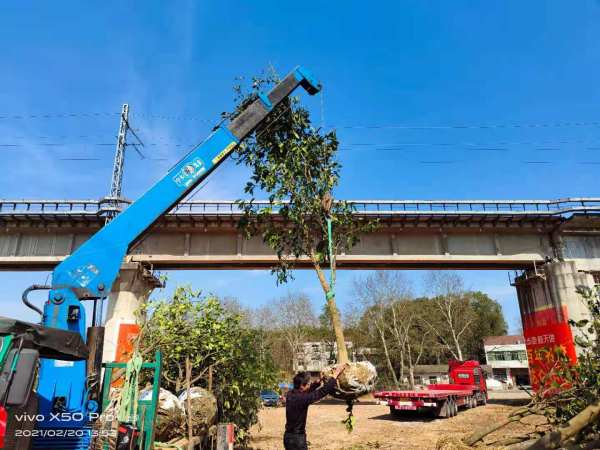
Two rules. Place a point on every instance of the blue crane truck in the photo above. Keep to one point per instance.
(68, 379)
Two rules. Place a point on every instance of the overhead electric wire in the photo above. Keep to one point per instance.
(454, 126)
(57, 115)
(79, 159)
(483, 146)
(551, 145)
(468, 126)
(446, 126)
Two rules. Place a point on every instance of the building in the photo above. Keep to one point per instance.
(430, 374)
(507, 357)
(315, 356)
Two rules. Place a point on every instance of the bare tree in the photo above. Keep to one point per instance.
(294, 317)
(234, 306)
(454, 316)
(377, 293)
(410, 333)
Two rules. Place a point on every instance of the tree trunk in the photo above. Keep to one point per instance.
(188, 402)
(339, 331)
(387, 358)
(411, 376)
(572, 428)
(411, 367)
(336, 322)
(402, 365)
(400, 342)
(481, 433)
(457, 346)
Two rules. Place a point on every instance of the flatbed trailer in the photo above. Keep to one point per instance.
(467, 389)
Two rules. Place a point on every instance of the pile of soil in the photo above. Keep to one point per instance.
(355, 381)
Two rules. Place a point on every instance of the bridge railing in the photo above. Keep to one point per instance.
(105, 206)
(402, 207)
(49, 206)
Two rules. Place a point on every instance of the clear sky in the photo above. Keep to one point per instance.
(520, 76)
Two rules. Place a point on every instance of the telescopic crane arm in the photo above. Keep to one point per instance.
(89, 273)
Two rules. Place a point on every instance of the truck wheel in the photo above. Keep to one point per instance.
(454, 407)
(439, 411)
(447, 409)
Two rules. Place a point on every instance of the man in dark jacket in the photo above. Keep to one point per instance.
(297, 402)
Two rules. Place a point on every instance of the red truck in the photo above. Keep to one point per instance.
(467, 388)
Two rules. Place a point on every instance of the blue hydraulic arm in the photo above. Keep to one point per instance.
(91, 270)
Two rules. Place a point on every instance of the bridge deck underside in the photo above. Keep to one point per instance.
(30, 241)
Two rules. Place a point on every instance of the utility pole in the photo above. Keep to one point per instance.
(117, 175)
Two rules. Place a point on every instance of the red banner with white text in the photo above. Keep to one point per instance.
(549, 340)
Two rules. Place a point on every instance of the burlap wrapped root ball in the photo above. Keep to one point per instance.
(170, 416)
(204, 409)
(355, 381)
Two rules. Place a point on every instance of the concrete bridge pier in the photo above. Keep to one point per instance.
(548, 299)
(133, 287)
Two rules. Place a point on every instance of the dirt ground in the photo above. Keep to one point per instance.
(375, 427)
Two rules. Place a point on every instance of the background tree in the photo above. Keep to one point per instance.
(404, 331)
(454, 313)
(295, 165)
(295, 319)
(489, 321)
(377, 293)
(411, 334)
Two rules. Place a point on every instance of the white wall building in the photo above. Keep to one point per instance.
(507, 357)
(315, 356)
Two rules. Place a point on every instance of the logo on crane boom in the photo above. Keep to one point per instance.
(189, 172)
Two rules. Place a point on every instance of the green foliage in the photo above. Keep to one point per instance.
(488, 321)
(197, 327)
(295, 165)
(349, 423)
(574, 387)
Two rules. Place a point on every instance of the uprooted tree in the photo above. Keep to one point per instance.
(295, 165)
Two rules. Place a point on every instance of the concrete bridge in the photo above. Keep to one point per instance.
(556, 244)
(490, 234)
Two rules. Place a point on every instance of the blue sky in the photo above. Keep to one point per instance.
(528, 68)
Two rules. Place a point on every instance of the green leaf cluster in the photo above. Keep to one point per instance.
(220, 347)
(294, 164)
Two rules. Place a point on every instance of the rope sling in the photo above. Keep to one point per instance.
(331, 292)
(350, 420)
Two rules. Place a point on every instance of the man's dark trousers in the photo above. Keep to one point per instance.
(293, 441)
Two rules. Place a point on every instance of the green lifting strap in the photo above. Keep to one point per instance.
(331, 293)
(129, 394)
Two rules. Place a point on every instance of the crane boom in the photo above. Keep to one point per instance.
(89, 273)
